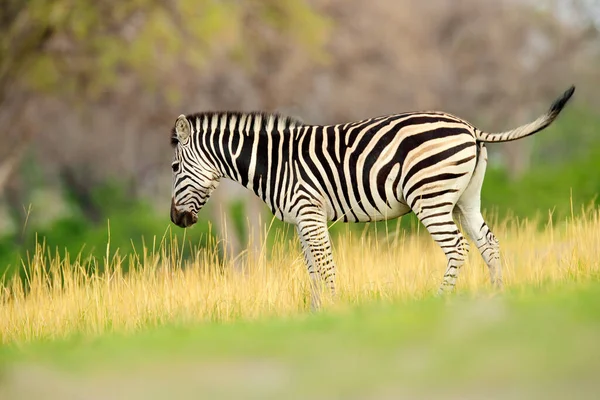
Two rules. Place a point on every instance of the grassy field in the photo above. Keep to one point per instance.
(197, 330)
(539, 343)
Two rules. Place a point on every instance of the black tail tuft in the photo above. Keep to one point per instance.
(559, 103)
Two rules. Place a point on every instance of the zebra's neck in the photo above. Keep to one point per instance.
(242, 146)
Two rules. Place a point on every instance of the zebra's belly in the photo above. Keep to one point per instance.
(368, 213)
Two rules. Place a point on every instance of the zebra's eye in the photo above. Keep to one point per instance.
(175, 166)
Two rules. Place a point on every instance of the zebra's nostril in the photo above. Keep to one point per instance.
(186, 219)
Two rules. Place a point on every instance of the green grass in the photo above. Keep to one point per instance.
(526, 343)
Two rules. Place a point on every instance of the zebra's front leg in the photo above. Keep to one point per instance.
(318, 256)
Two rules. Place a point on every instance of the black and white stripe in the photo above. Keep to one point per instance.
(430, 163)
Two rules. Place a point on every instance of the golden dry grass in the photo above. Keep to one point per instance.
(63, 299)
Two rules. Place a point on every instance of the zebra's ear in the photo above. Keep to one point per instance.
(182, 128)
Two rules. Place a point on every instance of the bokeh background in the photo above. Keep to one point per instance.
(90, 89)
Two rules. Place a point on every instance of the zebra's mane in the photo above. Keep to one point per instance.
(265, 117)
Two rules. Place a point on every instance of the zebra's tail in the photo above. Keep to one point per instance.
(530, 128)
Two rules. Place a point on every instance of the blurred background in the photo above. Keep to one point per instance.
(90, 89)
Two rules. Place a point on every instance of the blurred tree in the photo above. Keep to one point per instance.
(87, 52)
(495, 62)
(98, 84)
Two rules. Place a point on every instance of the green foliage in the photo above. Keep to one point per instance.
(297, 19)
(571, 137)
(80, 46)
(561, 188)
(130, 225)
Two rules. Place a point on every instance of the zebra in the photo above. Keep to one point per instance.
(431, 163)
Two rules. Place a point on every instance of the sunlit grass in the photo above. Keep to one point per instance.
(65, 295)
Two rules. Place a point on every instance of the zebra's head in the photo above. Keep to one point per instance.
(194, 176)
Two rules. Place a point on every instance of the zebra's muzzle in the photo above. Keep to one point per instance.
(182, 219)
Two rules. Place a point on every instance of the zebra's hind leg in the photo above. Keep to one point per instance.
(445, 232)
(487, 244)
(318, 256)
(468, 210)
